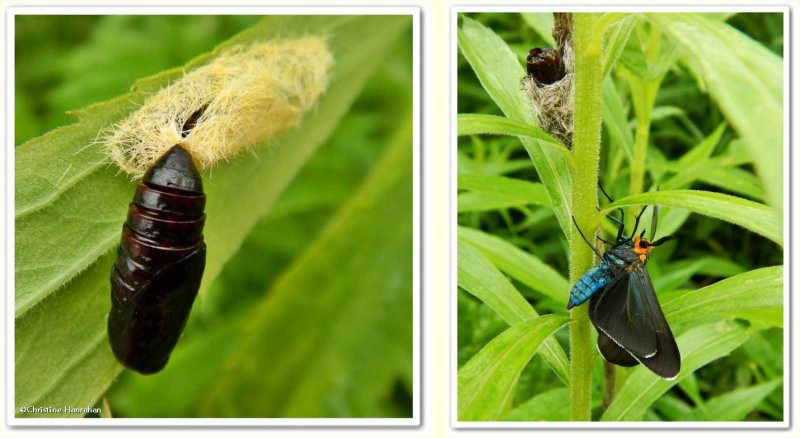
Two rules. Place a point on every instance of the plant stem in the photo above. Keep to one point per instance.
(639, 153)
(643, 94)
(609, 373)
(586, 152)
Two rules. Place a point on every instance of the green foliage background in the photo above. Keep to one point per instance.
(306, 304)
(706, 130)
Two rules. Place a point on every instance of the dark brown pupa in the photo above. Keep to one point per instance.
(545, 65)
(160, 263)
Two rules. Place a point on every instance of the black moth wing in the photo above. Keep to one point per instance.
(666, 362)
(145, 323)
(624, 311)
(613, 353)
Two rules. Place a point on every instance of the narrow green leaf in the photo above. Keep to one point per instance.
(735, 405)
(753, 216)
(605, 21)
(759, 288)
(481, 278)
(697, 164)
(489, 192)
(542, 23)
(468, 166)
(527, 191)
(672, 408)
(615, 118)
(698, 347)
(500, 72)
(691, 173)
(486, 382)
(745, 79)
(472, 202)
(659, 113)
(474, 124)
(691, 388)
(498, 69)
(64, 192)
(549, 405)
(524, 267)
(735, 180)
(676, 274)
(615, 40)
(718, 172)
(702, 151)
(767, 356)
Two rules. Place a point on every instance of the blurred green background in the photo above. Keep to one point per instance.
(706, 251)
(327, 353)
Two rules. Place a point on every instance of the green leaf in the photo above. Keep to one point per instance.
(717, 172)
(489, 192)
(753, 216)
(698, 347)
(65, 192)
(340, 318)
(735, 180)
(474, 124)
(532, 193)
(701, 151)
(542, 23)
(768, 357)
(659, 113)
(500, 72)
(549, 405)
(497, 68)
(676, 274)
(690, 387)
(697, 164)
(759, 288)
(486, 382)
(746, 80)
(615, 39)
(615, 118)
(482, 279)
(518, 264)
(467, 165)
(485, 201)
(671, 408)
(62, 356)
(734, 405)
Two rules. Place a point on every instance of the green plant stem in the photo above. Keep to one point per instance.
(643, 93)
(640, 152)
(586, 150)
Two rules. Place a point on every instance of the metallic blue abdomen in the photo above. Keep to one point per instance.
(592, 281)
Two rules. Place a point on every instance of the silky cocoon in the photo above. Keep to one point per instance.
(244, 97)
(553, 104)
